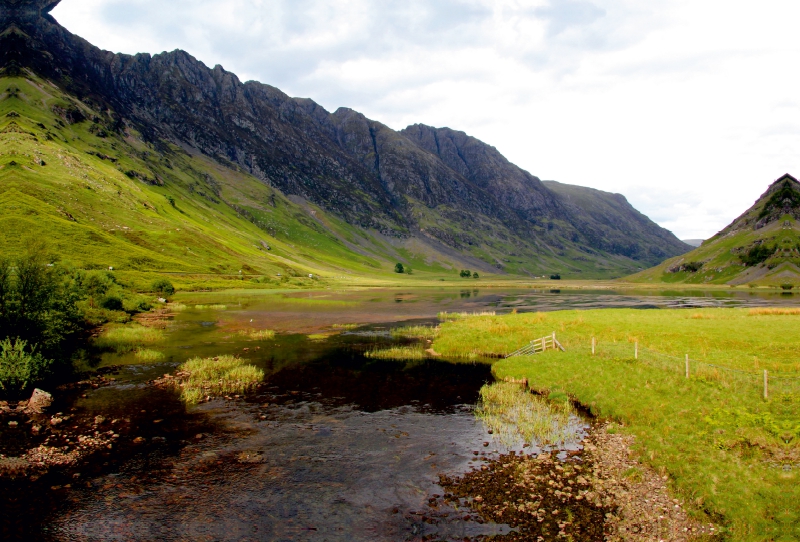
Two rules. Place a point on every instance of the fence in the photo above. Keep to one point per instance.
(766, 383)
(538, 345)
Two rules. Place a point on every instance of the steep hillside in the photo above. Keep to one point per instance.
(760, 247)
(245, 152)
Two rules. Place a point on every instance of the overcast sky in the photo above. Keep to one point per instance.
(690, 108)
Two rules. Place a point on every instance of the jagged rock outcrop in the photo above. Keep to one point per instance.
(357, 168)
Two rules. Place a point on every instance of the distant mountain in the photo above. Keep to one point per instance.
(693, 242)
(167, 123)
(762, 246)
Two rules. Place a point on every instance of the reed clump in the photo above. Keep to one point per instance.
(258, 334)
(220, 375)
(125, 338)
(148, 355)
(449, 316)
(513, 414)
(346, 327)
(414, 352)
(215, 307)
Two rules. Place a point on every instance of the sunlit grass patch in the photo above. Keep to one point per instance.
(177, 307)
(398, 352)
(125, 338)
(258, 334)
(415, 332)
(346, 327)
(318, 337)
(448, 316)
(214, 307)
(145, 354)
(220, 375)
(514, 414)
(775, 311)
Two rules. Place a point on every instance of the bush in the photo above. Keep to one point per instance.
(409, 271)
(465, 273)
(756, 255)
(555, 276)
(20, 366)
(112, 303)
(476, 276)
(163, 286)
(398, 268)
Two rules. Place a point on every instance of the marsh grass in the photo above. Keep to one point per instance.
(145, 354)
(720, 443)
(318, 337)
(450, 316)
(514, 414)
(214, 307)
(258, 334)
(415, 332)
(220, 375)
(414, 352)
(125, 338)
(773, 311)
(346, 327)
(177, 307)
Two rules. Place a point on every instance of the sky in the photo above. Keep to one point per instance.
(690, 108)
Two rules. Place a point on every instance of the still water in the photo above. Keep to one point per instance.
(334, 446)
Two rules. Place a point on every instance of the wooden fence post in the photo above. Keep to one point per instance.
(687, 365)
(636, 350)
(766, 385)
(594, 343)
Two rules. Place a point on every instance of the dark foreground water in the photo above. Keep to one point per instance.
(333, 446)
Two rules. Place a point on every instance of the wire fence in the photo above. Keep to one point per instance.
(768, 384)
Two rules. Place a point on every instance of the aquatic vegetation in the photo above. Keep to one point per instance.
(448, 316)
(318, 337)
(346, 327)
(258, 334)
(514, 414)
(124, 338)
(398, 352)
(145, 354)
(213, 307)
(177, 307)
(415, 332)
(220, 375)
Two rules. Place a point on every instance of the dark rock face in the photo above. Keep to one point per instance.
(363, 171)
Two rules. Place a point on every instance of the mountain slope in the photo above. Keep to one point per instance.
(760, 247)
(170, 122)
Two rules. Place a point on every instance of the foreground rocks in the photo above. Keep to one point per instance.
(601, 493)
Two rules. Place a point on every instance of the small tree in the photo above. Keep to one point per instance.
(409, 271)
(163, 286)
(465, 273)
(555, 276)
(475, 275)
(398, 268)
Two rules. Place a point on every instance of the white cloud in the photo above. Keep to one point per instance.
(688, 108)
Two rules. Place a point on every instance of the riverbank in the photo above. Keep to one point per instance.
(731, 455)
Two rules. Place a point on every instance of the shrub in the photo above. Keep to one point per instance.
(409, 271)
(555, 276)
(20, 366)
(112, 303)
(398, 268)
(476, 276)
(162, 286)
(756, 255)
(465, 273)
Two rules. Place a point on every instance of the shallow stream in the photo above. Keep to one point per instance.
(333, 446)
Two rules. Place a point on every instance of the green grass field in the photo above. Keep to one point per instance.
(725, 449)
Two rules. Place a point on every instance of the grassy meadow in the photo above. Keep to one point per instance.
(726, 450)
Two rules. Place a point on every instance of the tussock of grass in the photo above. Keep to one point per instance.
(211, 307)
(415, 332)
(144, 354)
(514, 414)
(784, 311)
(448, 316)
(221, 375)
(346, 327)
(398, 352)
(123, 339)
(177, 307)
(258, 334)
(318, 337)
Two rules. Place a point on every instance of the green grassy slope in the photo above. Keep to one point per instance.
(760, 248)
(99, 199)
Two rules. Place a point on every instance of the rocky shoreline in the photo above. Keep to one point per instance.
(600, 493)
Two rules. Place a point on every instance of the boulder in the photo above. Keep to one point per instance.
(39, 401)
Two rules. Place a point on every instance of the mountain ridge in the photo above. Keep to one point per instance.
(371, 176)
